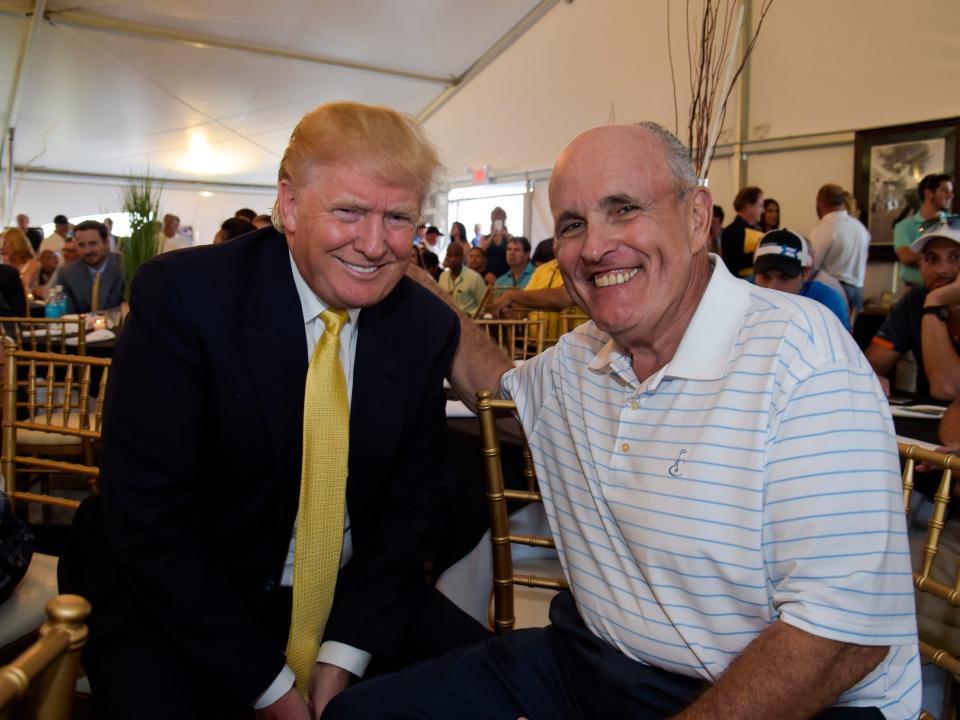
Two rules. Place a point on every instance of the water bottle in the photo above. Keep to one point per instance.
(56, 303)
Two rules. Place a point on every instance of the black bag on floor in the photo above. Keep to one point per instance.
(16, 548)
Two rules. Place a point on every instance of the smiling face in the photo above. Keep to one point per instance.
(940, 263)
(349, 232)
(631, 252)
(91, 247)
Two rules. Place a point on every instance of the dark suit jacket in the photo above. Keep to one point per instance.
(13, 300)
(78, 285)
(202, 440)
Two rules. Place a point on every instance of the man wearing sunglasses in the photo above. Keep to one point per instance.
(927, 319)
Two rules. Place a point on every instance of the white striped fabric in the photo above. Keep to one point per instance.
(755, 477)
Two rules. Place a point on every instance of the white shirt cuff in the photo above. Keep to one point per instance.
(283, 682)
(349, 658)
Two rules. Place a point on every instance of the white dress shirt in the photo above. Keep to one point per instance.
(842, 245)
(334, 653)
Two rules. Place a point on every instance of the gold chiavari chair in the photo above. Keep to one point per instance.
(505, 575)
(571, 318)
(40, 682)
(48, 334)
(63, 420)
(491, 294)
(520, 339)
(931, 589)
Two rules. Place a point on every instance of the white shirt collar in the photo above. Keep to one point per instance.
(706, 346)
(310, 302)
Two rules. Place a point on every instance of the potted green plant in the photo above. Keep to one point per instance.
(141, 200)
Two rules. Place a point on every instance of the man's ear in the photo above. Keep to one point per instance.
(286, 203)
(701, 212)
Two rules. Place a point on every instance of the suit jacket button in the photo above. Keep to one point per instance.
(269, 586)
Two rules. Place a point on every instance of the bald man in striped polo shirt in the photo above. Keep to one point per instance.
(719, 472)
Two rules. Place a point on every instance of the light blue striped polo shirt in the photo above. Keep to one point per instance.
(754, 477)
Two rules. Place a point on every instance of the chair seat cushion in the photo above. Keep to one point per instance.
(42, 437)
(23, 612)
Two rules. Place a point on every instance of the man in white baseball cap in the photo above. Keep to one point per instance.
(926, 320)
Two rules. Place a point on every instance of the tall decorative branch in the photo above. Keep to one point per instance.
(714, 67)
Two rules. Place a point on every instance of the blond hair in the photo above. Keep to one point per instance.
(18, 247)
(388, 144)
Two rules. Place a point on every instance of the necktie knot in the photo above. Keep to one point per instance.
(333, 320)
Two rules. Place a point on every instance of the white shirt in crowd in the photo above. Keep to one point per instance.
(841, 244)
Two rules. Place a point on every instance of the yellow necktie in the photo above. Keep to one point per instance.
(95, 294)
(323, 482)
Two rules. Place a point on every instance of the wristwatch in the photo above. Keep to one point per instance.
(940, 311)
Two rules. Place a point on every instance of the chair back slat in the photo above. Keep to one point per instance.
(69, 414)
(924, 561)
(57, 335)
(504, 577)
(520, 338)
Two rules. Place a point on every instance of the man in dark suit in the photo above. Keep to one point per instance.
(13, 301)
(98, 269)
(186, 551)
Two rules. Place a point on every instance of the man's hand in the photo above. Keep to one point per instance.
(946, 295)
(884, 384)
(503, 302)
(290, 706)
(326, 681)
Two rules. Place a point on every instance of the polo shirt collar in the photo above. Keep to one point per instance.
(706, 346)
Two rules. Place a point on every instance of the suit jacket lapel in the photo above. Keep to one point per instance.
(377, 405)
(275, 343)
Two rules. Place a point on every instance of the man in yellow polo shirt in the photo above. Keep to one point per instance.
(545, 291)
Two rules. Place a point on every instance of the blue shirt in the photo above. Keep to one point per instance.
(829, 297)
(507, 279)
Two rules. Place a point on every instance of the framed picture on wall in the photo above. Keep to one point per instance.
(889, 163)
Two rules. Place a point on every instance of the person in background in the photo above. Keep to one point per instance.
(926, 321)
(261, 221)
(495, 244)
(23, 222)
(544, 294)
(518, 258)
(418, 238)
(477, 261)
(68, 253)
(783, 262)
(61, 230)
(841, 244)
(543, 253)
(431, 263)
(851, 205)
(771, 215)
(936, 198)
(465, 286)
(47, 277)
(246, 213)
(95, 283)
(716, 229)
(477, 236)
(16, 252)
(169, 239)
(458, 233)
(113, 239)
(431, 239)
(231, 228)
(739, 239)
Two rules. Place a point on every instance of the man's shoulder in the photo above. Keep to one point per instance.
(72, 271)
(808, 328)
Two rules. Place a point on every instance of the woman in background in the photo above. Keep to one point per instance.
(771, 215)
(458, 233)
(16, 252)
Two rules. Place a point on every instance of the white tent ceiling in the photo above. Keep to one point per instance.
(210, 90)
